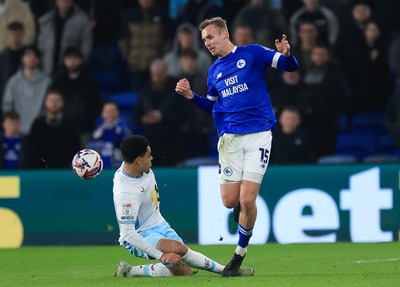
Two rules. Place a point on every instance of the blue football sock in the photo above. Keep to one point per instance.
(244, 236)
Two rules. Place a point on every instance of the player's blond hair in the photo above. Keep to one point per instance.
(217, 21)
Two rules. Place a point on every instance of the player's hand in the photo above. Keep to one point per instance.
(183, 89)
(171, 258)
(282, 46)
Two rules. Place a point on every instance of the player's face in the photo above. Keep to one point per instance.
(215, 39)
(145, 161)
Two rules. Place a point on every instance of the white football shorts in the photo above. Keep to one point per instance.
(244, 156)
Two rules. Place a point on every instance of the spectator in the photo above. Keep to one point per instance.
(64, 26)
(392, 115)
(290, 145)
(267, 23)
(325, 99)
(289, 7)
(16, 10)
(232, 8)
(107, 138)
(197, 129)
(82, 99)
(25, 90)
(361, 13)
(147, 35)
(11, 142)
(243, 35)
(288, 91)
(371, 85)
(54, 139)
(106, 22)
(195, 11)
(186, 37)
(40, 7)
(323, 18)
(160, 111)
(308, 37)
(10, 57)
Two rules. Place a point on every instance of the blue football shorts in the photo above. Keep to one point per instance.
(152, 236)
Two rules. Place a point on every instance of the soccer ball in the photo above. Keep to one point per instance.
(87, 164)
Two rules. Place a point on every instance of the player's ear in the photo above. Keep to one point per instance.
(226, 33)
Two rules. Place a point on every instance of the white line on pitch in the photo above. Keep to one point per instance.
(375, 260)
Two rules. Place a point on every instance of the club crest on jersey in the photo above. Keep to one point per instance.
(241, 63)
(126, 208)
(228, 171)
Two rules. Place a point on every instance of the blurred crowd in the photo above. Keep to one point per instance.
(85, 73)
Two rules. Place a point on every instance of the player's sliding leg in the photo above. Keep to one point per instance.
(152, 270)
(190, 257)
(197, 260)
(161, 270)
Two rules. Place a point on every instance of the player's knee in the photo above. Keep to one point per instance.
(229, 202)
(247, 203)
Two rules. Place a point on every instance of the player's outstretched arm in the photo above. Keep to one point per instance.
(183, 89)
(287, 61)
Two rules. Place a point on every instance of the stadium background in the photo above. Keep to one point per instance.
(57, 208)
(53, 207)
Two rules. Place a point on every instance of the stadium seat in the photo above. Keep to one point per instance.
(198, 161)
(357, 144)
(368, 121)
(387, 151)
(337, 159)
(382, 158)
(344, 124)
(126, 102)
(387, 145)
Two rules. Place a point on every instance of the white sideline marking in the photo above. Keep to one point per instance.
(375, 260)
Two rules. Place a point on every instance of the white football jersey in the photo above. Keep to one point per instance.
(136, 203)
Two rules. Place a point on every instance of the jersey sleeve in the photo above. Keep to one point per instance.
(266, 56)
(203, 103)
(273, 59)
(127, 211)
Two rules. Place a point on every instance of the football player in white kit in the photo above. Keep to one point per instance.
(143, 230)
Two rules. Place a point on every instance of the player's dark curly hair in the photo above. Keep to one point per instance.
(132, 147)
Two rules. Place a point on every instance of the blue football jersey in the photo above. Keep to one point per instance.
(237, 84)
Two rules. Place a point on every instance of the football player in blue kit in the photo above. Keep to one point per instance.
(238, 99)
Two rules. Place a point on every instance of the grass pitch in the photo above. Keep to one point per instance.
(341, 264)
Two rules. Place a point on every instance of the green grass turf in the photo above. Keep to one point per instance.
(341, 264)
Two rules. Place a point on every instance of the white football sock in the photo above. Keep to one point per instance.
(150, 270)
(197, 260)
(241, 251)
